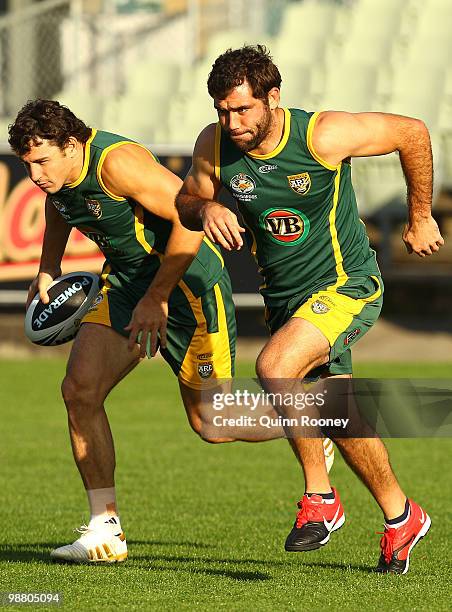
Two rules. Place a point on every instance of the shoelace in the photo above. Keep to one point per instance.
(83, 529)
(306, 513)
(387, 543)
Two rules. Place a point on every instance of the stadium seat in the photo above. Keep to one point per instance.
(297, 87)
(188, 116)
(417, 90)
(370, 31)
(153, 77)
(304, 31)
(227, 39)
(88, 106)
(350, 87)
(379, 180)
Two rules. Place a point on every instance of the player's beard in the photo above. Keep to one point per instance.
(262, 130)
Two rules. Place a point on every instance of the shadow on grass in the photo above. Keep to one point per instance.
(39, 552)
(33, 552)
(300, 563)
(242, 576)
(169, 543)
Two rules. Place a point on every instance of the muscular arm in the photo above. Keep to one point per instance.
(196, 202)
(131, 172)
(339, 135)
(56, 236)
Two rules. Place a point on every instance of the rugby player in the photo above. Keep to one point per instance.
(290, 173)
(161, 284)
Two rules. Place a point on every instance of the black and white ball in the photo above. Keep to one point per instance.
(57, 322)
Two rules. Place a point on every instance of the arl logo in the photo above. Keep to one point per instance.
(286, 226)
(300, 183)
(94, 207)
(205, 370)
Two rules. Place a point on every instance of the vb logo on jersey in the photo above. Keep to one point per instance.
(285, 225)
(300, 183)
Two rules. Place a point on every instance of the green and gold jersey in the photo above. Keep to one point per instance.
(300, 212)
(132, 239)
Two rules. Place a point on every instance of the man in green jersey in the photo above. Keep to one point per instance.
(160, 282)
(290, 172)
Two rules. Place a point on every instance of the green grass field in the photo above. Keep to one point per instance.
(205, 524)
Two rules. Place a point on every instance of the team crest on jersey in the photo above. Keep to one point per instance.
(300, 183)
(319, 307)
(243, 185)
(205, 370)
(61, 208)
(286, 226)
(94, 207)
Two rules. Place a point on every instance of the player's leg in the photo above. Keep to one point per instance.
(201, 338)
(98, 361)
(292, 352)
(201, 350)
(306, 336)
(406, 523)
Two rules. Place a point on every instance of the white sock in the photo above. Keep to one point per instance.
(102, 503)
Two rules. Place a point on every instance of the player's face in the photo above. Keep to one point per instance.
(247, 120)
(48, 166)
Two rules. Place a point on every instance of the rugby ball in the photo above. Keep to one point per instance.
(57, 322)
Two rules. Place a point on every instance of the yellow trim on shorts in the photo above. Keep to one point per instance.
(215, 344)
(282, 142)
(100, 163)
(86, 158)
(312, 151)
(342, 310)
(100, 314)
(217, 161)
(214, 249)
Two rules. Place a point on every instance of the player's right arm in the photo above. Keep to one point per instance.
(56, 236)
(196, 202)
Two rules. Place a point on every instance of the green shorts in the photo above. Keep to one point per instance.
(343, 314)
(201, 332)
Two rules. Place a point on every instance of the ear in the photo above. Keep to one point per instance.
(70, 148)
(273, 98)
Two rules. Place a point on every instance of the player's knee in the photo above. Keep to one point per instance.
(77, 395)
(269, 366)
(201, 429)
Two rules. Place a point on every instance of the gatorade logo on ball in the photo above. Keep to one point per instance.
(286, 226)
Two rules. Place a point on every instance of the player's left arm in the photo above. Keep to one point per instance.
(131, 172)
(339, 135)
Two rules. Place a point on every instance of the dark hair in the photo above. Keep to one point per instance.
(46, 119)
(251, 63)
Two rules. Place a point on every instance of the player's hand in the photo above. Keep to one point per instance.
(40, 285)
(149, 320)
(221, 226)
(422, 237)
